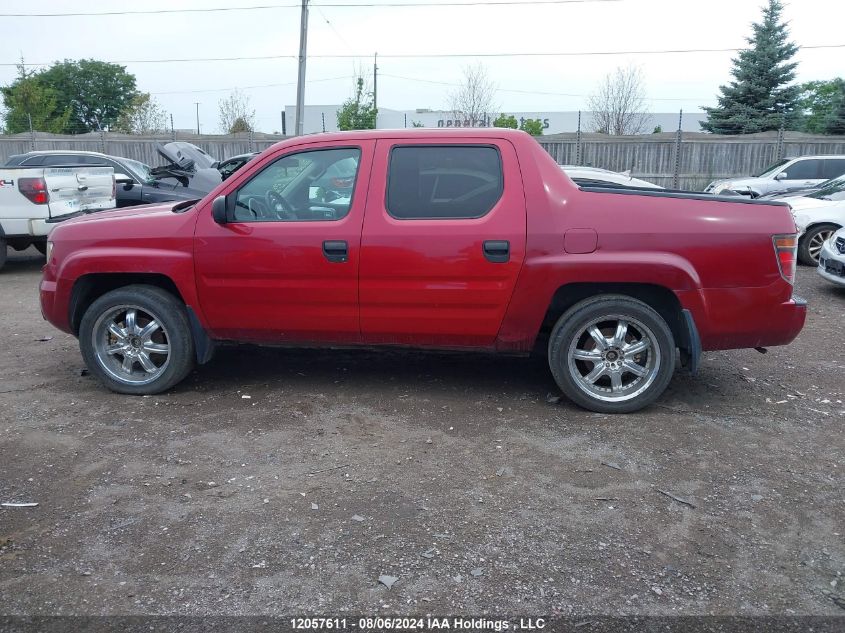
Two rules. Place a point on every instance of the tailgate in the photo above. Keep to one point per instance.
(74, 189)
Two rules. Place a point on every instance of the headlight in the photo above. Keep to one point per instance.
(801, 221)
(49, 251)
(722, 187)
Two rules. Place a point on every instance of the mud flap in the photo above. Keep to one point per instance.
(691, 347)
(203, 345)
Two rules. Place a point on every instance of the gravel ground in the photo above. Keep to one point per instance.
(277, 482)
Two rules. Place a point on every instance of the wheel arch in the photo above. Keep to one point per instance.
(663, 300)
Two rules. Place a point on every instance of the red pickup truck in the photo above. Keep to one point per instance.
(470, 239)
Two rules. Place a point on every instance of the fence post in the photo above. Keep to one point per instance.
(251, 140)
(676, 176)
(31, 132)
(172, 128)
(781, 147)
(578, 141)
(103, 141)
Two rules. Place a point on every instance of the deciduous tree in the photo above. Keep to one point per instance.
(142, 116)
(236, 113)
(472, 102)
(358, 112)
(619, 105)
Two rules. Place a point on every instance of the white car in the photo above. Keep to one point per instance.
(818, 216)
(832, 258)
(595, 177)
(785, 175)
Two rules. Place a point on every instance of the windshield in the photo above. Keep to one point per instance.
(831, 190)
(139, 169)
(769, 171)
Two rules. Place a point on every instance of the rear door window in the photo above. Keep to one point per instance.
(443, 182)
(804, 170)
(833, 168)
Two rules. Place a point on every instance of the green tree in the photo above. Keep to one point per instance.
(658, 129)
(835, 120)
(506, 120)
(818, 101)
(357, 112)
(533, 126)
(236, 113)
(761, 96)
(142, 116)
(26, 98)
(97, 92)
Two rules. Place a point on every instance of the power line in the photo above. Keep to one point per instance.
(276, 85)
(261, 7)
(678, 51)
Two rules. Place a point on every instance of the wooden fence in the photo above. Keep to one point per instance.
(653, 157)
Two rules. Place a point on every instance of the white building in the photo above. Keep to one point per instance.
(323, 118)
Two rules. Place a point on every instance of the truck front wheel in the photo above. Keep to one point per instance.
(612, 354)
(137, 340)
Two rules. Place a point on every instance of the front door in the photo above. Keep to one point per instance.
(285, 267)
(443, 242)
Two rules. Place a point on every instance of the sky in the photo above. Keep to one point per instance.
(524, 83)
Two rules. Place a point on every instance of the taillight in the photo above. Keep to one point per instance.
(34, 189)
(786, 251)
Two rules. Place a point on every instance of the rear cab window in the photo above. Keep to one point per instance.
(443, 181)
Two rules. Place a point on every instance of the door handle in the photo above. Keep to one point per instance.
(497, 251)
(336, 251)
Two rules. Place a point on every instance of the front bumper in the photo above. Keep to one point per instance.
(831, 265)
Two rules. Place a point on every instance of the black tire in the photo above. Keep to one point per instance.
(807, 250)
(2, 252)
(175, 330)
(570, 332)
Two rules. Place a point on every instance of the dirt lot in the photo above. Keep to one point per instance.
(278, 482)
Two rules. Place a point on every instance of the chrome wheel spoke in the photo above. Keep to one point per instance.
(130, 320)
(116, 331)
(633, 368)
(590, 356)
(638, 347)
(621, 333)
(116, 348)
(593, 376)
(148, 365)
(616, 381)
(598, 337)
(156, 348)
(149, 329)
(127, 364)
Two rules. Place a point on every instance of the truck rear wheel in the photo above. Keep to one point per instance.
(612, 354)
(2, 252)
(137, 340)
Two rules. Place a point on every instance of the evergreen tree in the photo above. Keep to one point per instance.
(761, 96)
(835, 121)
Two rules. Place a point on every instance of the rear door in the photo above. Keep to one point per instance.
(73, 189)
(802, 173)
(443, 242)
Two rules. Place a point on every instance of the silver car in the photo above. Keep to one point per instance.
(785, 175)
(832, 258)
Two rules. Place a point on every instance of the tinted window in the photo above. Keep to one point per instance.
(443, 182)
(803, 170)
(72, 159)
(833, 168)
(33, 160)
(294, 188)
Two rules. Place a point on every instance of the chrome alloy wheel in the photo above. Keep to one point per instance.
(816, 243)
(131, 345)
(614, 358)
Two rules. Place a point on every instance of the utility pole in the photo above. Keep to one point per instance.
(375, 90)
(197, 103)
(300, 80)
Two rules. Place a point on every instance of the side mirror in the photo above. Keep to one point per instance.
(123, 179)
(782, 176)
(218, 210)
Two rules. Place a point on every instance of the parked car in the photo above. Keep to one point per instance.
(818, 216)
(470, 239)
(832, 258)
(806, 191)
(32, 198)
(593, 176)
(788, 174)
(137, 183)
(234, 163)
